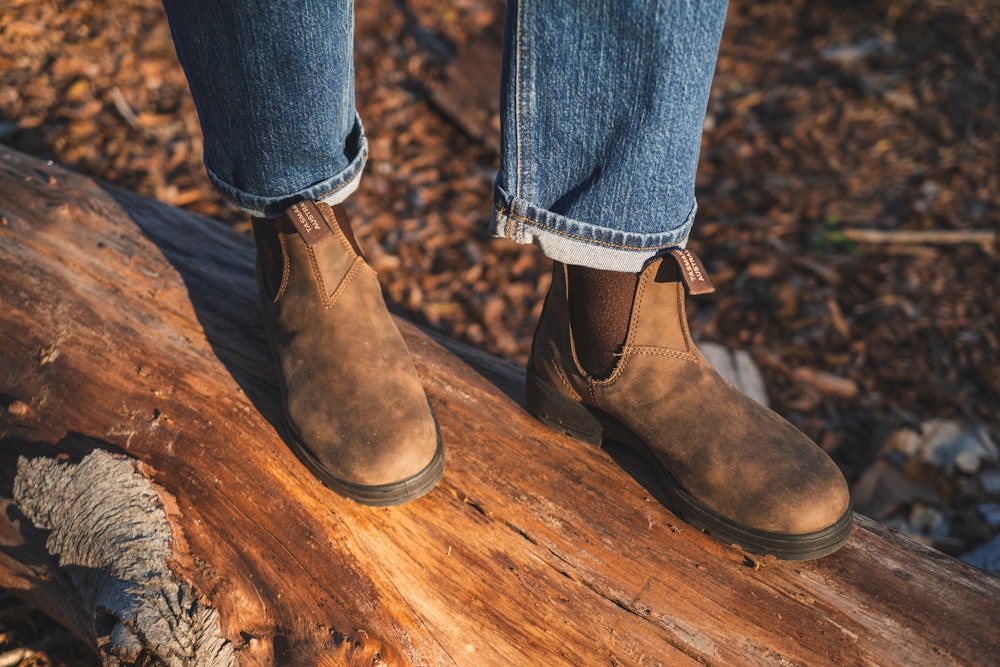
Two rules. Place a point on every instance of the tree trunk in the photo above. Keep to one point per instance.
(151, 505)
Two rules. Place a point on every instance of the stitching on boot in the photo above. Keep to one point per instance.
(335, 226)
(554, 363)
(356, 266)
(567, 327)
(665, 352)
(638, 303)
(682, 318)
(592, 390)
(284, 267)
(338, 230)
(637, 306)
(612, 379)
(344, 242)
(573, 358)
(318, 277)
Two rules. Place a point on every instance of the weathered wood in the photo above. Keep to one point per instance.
(152, 507)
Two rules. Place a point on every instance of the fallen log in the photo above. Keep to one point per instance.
(151, 506)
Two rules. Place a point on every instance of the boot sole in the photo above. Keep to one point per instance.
(594, 427)
(375, 495)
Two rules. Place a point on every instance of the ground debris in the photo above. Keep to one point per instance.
(847, 193)
(935, 483)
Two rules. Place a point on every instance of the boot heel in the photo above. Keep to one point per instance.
(562, 414)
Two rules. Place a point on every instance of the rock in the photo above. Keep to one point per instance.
(883, 489)
(946, 444)
(989, 480)
(990, 513)
(739, 369)
(986, 557)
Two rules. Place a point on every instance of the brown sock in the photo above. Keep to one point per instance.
(600, 303)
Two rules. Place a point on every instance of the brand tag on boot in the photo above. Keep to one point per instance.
(693, 272)
(309, 222)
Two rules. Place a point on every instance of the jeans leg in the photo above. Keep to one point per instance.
(603, 104)
(273, 82)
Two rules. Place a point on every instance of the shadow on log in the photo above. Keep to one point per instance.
(150, 504)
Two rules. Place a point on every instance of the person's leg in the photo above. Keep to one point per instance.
(603, 104)
(274, 87)
(603, 107)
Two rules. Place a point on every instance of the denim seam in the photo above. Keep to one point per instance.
(523, 117)
(511, 216)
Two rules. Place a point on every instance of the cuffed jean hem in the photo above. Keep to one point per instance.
(573, 242)
(332, 190)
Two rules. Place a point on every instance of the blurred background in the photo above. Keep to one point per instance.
(849, 212)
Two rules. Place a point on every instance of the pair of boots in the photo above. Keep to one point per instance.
(359, 419)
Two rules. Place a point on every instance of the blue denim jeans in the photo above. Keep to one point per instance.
(602, 105)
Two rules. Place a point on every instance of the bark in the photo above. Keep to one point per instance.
(150, 504)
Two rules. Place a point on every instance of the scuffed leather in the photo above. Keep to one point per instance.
(737, 457)
(352, 396)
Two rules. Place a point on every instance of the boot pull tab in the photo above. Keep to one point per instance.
(309, 222)
(692, 271)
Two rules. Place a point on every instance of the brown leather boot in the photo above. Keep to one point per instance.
(354, 406)
(729, 465)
